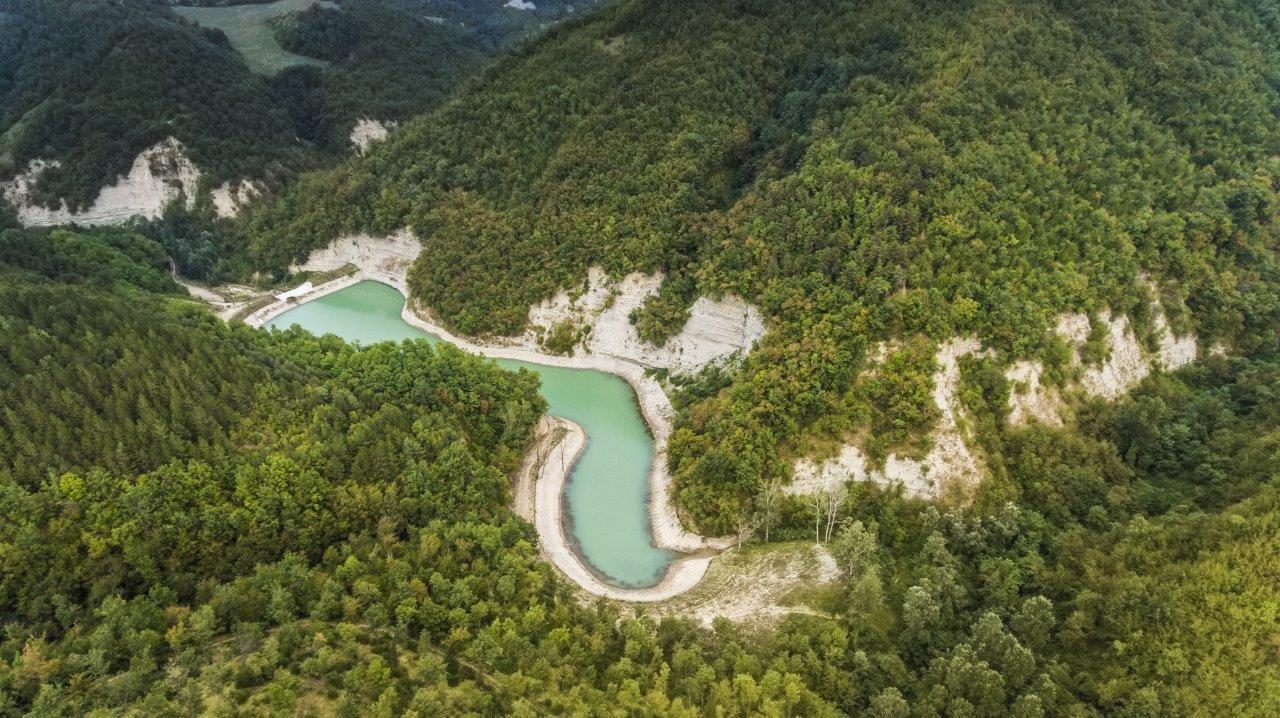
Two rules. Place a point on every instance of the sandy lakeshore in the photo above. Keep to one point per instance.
(538, 496)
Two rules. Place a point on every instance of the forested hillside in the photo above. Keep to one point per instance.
(92, 84)
(204, 518)
(890, 170)
(200, 518)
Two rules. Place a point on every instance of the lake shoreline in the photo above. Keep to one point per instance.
(655, 408)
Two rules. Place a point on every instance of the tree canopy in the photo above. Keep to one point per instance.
(92, 84)
(897, 169)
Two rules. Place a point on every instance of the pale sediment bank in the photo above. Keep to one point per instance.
(160, 175)
(539, 497)
(655, 407)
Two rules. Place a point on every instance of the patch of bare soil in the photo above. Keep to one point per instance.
(758, 585)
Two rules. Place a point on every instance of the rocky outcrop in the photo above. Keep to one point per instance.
(367, 132)
(949, 463)
(1126, 365)
(1174, 351)
(230, 198)
(386, 258)
(158, 176)
(1029, 399)
(716, 331)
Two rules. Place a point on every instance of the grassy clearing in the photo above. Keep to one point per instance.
(759, 584)
(248, 27)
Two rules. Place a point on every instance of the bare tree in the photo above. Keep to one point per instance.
(835, 497)
(818, 500)
(767, 502)
(746, 526)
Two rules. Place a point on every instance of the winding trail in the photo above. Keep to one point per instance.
(224, 309)
(559, 446)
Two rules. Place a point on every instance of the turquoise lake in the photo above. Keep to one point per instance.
(607, 496)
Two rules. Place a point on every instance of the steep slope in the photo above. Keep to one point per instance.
(86, 88)
(92, 85)
(204, 518)
(184, 497)
(862, 172)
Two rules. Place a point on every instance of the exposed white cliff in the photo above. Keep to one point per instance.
(387, 258)
(1127, 363)
(367, 132)
(949, 463)
(717, 329)
(1030, 400)
(851, 464)
(1175, 351)
(229, 198)
(1073, 328)
(1124, 366)
(159, 175)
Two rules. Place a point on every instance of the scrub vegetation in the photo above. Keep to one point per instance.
(907, 170)
(203, 518)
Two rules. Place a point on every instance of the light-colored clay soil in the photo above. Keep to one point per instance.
(159, 175)
(758, 584)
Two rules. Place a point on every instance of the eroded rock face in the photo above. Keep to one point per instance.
(1175, 351)
(389, 258)
(1030, 400)
(716, 331)
(1124, 366)
(229, 199)
(159, 175)
(1127, 363)
(949, 463)
(367, 132)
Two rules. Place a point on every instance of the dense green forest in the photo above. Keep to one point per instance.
(92, 84)
(201, 518)
(911, 169)
(205, 518)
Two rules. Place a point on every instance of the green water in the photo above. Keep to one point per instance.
(607, 494)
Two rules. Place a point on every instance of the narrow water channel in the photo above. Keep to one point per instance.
(607, 495)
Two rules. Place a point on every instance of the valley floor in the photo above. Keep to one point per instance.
(384, 261)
